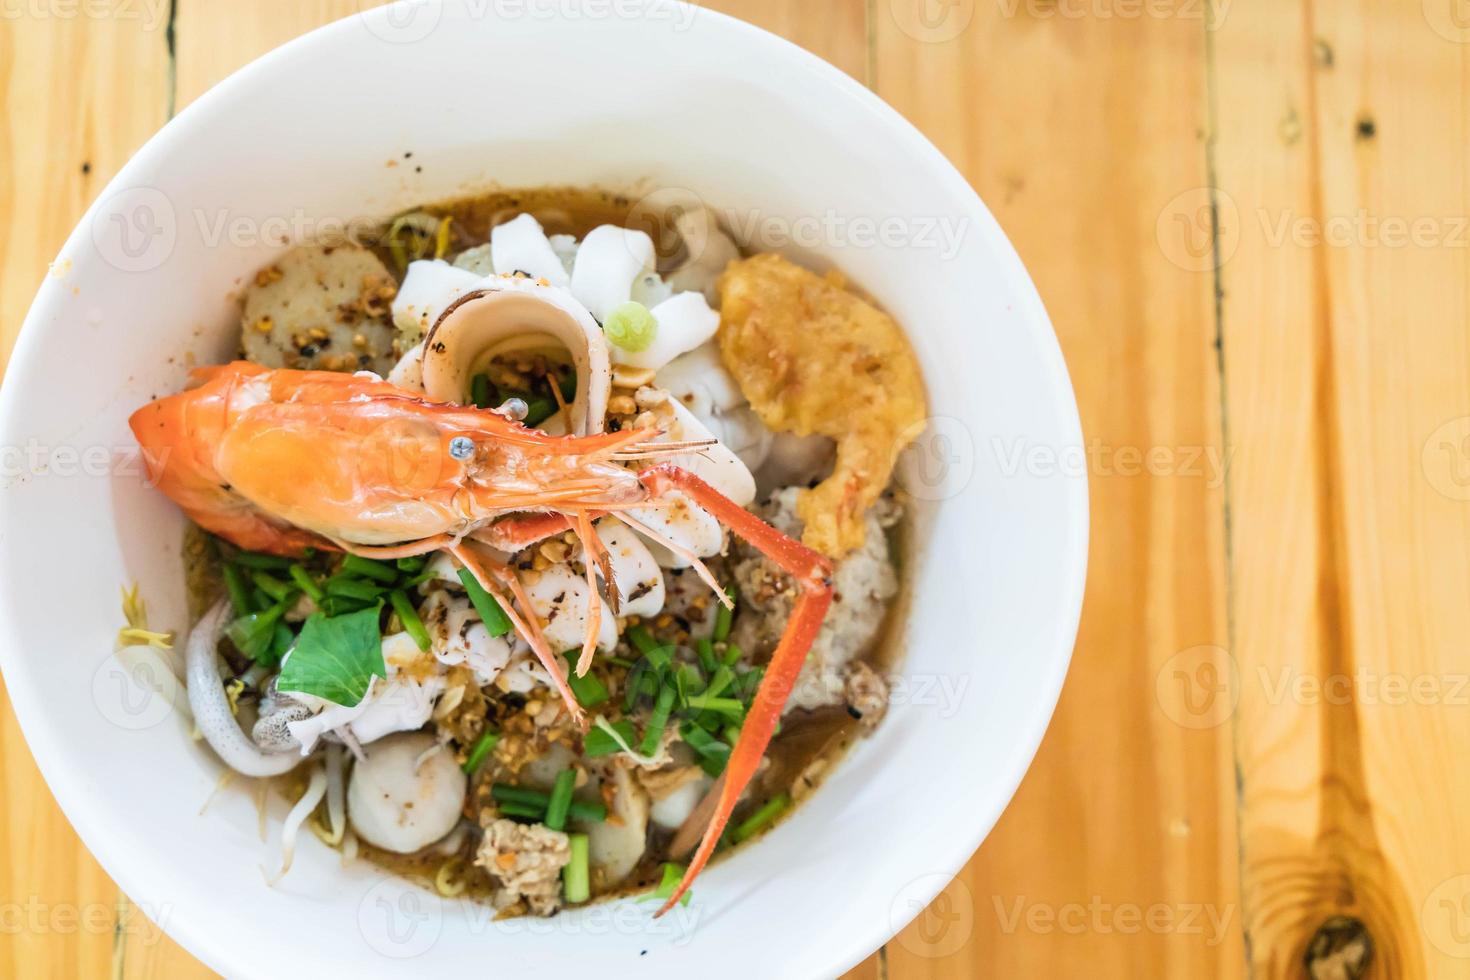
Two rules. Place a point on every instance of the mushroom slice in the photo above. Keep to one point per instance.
(406, 793)
(507, 314)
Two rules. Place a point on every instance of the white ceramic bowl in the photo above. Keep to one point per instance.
(523, 94)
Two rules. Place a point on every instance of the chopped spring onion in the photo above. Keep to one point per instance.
(642, 680)
(608, 738)
(266, 582)
(235, 585)
(630, 326)
(561, 799)
(706, 651)
(254, 633)
(576, 879)
(712, 752)
(490, 612)
(654, 733)
(724, 617)
(723, 678)
(762, 818)
(526, 796)
(412, 564)
(642, 639)
(256, 559)
(589, 691)
(703, 702)
(733, 655)
(354, 588)
(409, 617)
(480, 391)
(306, 583)
(538, 410)
(523, 810)
(672, 875)
(379, 571)
(482, 748)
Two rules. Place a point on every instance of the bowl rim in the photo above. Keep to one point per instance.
(67, 785)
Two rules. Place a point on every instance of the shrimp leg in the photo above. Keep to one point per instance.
(813, 575)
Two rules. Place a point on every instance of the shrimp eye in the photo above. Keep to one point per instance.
(461, 447)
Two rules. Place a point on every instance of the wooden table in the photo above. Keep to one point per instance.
(1249, 221)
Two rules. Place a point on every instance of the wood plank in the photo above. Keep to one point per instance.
(1349, 391)
(69, 125)
(1084, 134)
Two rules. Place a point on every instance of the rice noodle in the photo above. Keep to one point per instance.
(315, 790)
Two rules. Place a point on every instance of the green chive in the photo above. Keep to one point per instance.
(306, 583)
(589, 691)
(377, 570)
(336, 605)
(703, 702)
(409, 617)
(561, 799)
(254, 633)
(654, 733)
(761, 818)
(723, 678)
(525, 796)
(354, 588)
(672, 875)
(482, 748)
(235, 585)
(707, 659)
(255, 559)
(724, 616)
(642, 639)
(597, 743)
(538, 410)
(733, 655)
(480, 391)
(412, 564)
(522, 810)
(576, 880)
(414, 581)
(490, 612)
(271, 586)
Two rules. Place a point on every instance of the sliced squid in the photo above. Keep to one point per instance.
(681, 522)
(684, 322)
(520, 245)
(609, 260)
(408, 373)
(456, 636)
(707, 248)
(428, 289)
(406, 793)
(635, 572)
(616, 845)
(505, 314)
(715, 464)
(212, 714)
(559, 596)
(398, 704)
(699, 380)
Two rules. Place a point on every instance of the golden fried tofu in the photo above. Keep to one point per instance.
(814, 358)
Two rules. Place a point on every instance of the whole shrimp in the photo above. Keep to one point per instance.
(283, 460)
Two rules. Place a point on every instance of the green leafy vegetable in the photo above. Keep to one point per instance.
(336, 657)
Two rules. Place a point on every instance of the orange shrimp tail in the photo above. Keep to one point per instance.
(813, 575)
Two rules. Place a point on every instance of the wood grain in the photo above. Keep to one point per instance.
(1341, 162)
(68, 126)
(1078, 131)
